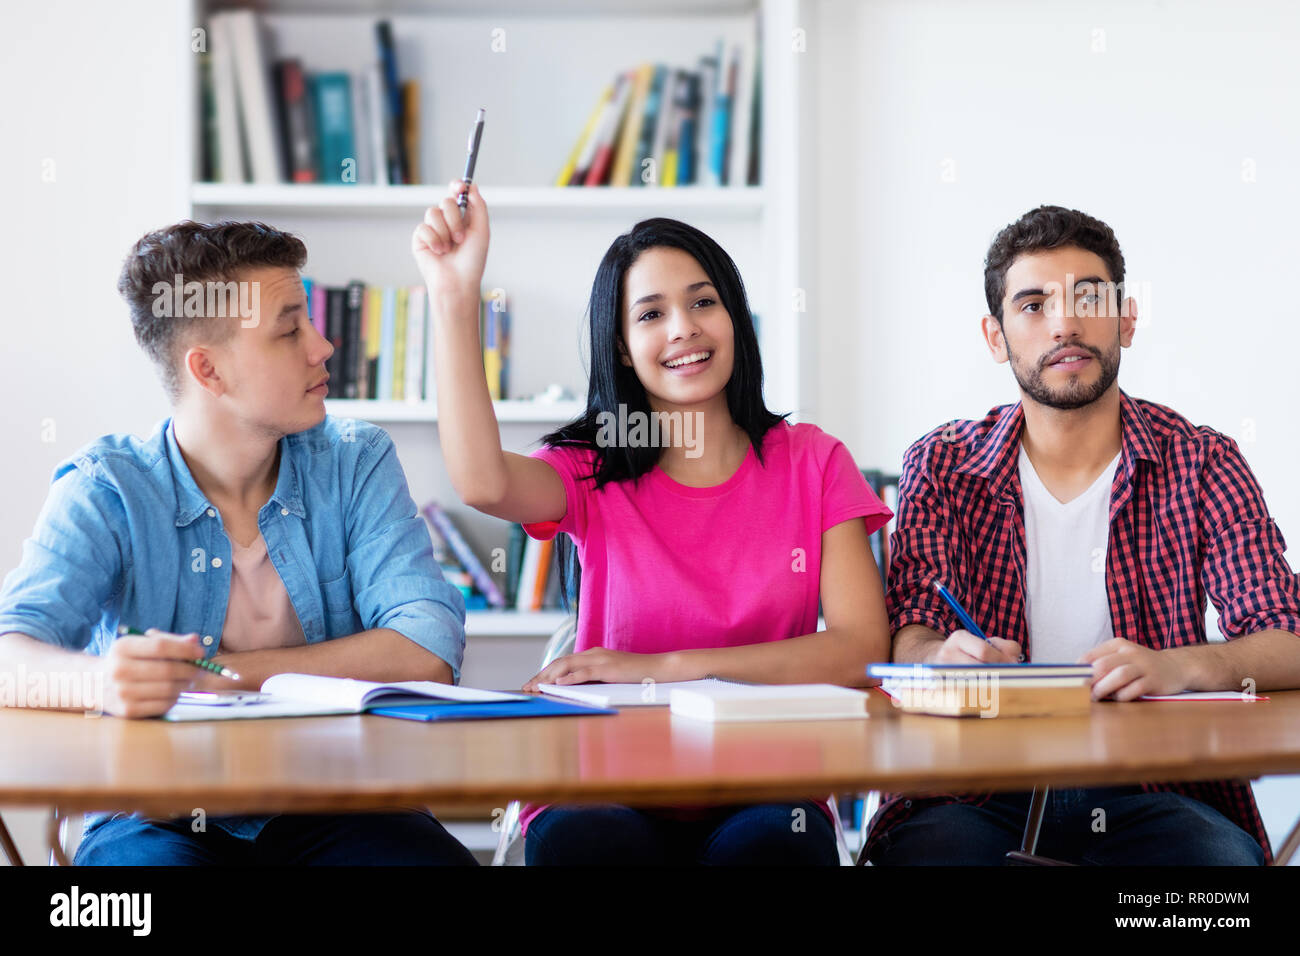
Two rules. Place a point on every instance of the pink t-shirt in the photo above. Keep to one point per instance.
(669, 567)
(259, 614)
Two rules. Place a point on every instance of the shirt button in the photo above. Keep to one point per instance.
(212, 513)
(284, 511)
(907, 804)
(216, 562)
(207, 640)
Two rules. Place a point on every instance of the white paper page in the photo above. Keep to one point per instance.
(1205, 695)
(650, 694)
(466, 695)
(356, 695)
(249, 711)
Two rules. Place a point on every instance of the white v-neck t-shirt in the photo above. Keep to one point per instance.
(1066, 607)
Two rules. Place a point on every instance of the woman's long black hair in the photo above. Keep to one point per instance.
(612, 383)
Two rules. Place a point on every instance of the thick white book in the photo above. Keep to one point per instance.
(361, 127)
(713, 699)
(374, 87)
(309, 695)
(726, 702)
(742, 107)
(256, 100)
(230, 157)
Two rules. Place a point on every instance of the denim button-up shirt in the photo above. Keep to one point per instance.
(127, 537)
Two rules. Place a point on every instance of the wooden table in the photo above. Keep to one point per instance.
(640, 757)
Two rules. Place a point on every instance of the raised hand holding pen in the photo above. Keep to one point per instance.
(451, 251)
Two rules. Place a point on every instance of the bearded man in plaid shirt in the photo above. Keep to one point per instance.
(1081, 524)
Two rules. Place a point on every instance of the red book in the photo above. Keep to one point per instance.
(297, 132)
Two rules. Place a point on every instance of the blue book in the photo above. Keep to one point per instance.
(720, 135)
(450, 710)
(898, 671)
(649, 124)
(337, 156)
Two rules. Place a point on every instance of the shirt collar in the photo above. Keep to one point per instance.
(191, 502)
(996, 458)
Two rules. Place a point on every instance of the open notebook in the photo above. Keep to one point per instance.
(309, 695)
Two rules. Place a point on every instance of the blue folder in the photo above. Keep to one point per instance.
(454, 710)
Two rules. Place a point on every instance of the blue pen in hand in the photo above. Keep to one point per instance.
(966, 620)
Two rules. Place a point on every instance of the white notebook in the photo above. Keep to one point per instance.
(646, 694)
(725, 701)
(310, 695)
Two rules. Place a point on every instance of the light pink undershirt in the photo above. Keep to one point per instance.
(259, 614)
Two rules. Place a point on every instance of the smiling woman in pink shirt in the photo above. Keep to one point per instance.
(707, 527)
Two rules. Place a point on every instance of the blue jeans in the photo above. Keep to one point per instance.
(1110, 826)
(402, 838)
(774, 834)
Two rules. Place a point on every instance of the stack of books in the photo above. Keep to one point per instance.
(988, 690)
(658, 125)
(383, 341)
(270, 122)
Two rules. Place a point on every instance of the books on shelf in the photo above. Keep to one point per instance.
(271, 122)
(529, 568)
(381, 340)
(442, 524)
(661, 125)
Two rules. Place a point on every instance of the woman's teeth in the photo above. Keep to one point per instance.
(688, 359)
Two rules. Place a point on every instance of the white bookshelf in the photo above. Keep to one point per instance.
(514, 411)
(736, 202)
(513, 623)
(546, 240)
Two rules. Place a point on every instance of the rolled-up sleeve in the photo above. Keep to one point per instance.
(919, 550)
(1245, 573)
(72, 565)
(397, 584)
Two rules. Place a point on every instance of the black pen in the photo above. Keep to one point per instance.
(472, 147)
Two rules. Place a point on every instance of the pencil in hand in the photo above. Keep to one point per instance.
(207, 665)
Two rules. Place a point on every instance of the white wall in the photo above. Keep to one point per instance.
(90, 87)
(1142, 113)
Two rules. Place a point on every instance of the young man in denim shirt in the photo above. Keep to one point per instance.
(249, 529)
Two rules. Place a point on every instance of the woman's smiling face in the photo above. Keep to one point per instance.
(678, 336)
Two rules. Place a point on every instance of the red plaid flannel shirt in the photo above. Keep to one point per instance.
(1187, 521)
